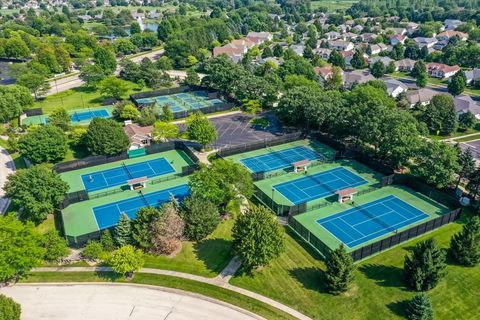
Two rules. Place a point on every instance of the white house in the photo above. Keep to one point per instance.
(441, 71)
(425, 42)
(451, 24)
(395, 87)
(340, 45)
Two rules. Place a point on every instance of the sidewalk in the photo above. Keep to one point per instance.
(212, 281)
(7, 166)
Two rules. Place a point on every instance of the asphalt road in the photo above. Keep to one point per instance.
(118, 302)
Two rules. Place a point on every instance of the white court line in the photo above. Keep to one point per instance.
(341, 229)
(348, 224)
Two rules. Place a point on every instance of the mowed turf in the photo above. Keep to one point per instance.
(295, 278)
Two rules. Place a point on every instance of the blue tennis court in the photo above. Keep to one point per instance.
(371, 220)
(279, 159)
(118, 176)
(89, 115)
(108, 215)
(319, 185)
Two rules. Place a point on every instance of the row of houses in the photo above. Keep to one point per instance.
(237, 48)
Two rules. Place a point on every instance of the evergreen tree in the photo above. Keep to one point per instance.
(141, 226)
(473, 186)
(425, 267)
(340, 271)
(419, 308)
(167, 114)
(358, 62)
(201, 217)
(466, 121)
(123, 231)
(465, 245)
(106, 241)
(467, 165)
(337, 59)
(457, 84)
(378, 69)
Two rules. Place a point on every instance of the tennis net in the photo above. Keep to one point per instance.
(126, 169)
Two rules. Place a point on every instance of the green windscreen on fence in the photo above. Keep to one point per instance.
(136, 153)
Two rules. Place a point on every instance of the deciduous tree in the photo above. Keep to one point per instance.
(60, 118)
(44, 144)
(21, 248)
(126, 260)
(167, 231)
(38, 190)
(9, 309)
(200, 129)
(55, 246)
(201, 217)
(257, 237)
(106, 137)
(162, 131)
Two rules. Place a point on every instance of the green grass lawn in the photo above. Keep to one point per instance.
(470, 138)
(208, 290)
(206, 258)
(295, 278)
(78, 98)
(333, 5)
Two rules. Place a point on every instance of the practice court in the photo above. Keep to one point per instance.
(89, 115)
(319, 185)
(120, 175)
(108, 215)
(279, 159)
(371, 220)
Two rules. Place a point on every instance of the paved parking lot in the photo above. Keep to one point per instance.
(117, 302)
(237, 129)
(474, 147)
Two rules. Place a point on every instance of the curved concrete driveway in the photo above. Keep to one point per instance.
(119, 302)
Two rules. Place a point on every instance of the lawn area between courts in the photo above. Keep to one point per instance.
(295, 278)
(205, 258)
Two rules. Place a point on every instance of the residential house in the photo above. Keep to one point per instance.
(347, 56)
(298, 49)
(464, 104)
(139, 136)
(451, 24)
(422, 96)
(349, 36)
(395, 87)
(405, 65)
(259, 37)
(446, 35)
(368, 37)
(356, 77)
(325, 73)
(425, 42)
(340, 45)
(412, 27)
(385, 60)
(472, 76)
(441, 71)
(359, 28)
(85, 17)
(440, 45)
(324, 53)
(274, 60)
(397, 31)
(377, 48)
(397, 38)
(137, 15)
(332, 35)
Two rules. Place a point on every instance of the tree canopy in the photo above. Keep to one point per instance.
(106, 137)
(38, 190)
(44, 144)
(257, 237)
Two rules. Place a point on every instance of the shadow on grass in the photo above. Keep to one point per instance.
(214, 253)
(385, 276)
(311, 278)
(398, 308)
(108, 276)
(303, 244)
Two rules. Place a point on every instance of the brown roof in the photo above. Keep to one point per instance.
(134, 129)
(346, 192)
(137, 180)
